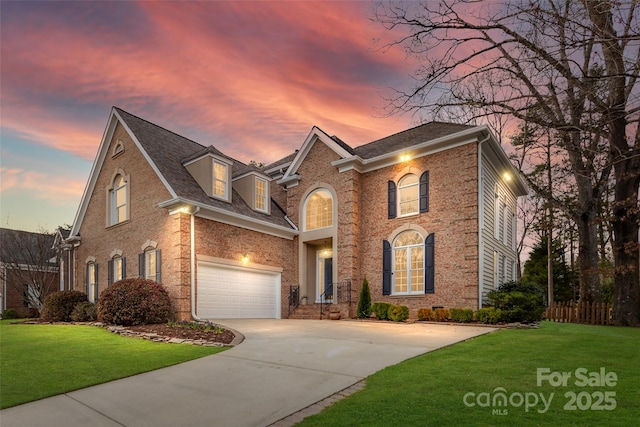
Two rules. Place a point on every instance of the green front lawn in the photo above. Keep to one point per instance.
(38, 361)
(430, 390)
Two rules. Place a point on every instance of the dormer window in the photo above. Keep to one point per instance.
(220, 180)
(261, 195)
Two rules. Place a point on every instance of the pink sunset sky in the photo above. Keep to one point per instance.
(250, 78)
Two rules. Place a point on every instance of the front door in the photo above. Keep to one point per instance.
(324, 275)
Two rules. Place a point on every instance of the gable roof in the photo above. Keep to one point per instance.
(166, 152)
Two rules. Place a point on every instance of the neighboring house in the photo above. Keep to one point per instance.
(28, 270)
(426, 215)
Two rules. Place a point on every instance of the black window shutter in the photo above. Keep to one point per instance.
(141, 265)
(424, 192)
(392, 199)
(429, 263)
(109, 272)
(386, 268)
(158, 265)
(124, 267)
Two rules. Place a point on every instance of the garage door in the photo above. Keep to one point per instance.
(228, 292)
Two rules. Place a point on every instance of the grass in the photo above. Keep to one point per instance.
(38, 361)
(429, 390)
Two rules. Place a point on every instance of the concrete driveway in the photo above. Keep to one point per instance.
(281, 367)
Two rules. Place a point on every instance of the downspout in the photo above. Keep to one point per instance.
(192, 242)
(480, 222)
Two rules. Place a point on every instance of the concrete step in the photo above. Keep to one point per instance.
(310, 311)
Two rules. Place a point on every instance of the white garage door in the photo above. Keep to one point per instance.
(226, 292)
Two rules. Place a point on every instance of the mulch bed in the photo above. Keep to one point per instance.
(179, 331)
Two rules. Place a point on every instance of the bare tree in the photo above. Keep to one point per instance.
(570, 66)
(29, 265)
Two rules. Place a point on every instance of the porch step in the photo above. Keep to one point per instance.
(310, 311)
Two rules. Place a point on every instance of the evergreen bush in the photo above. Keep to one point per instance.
(518, 302)
(58, 306)
(381, 309)
(461, 315)
(84, 312)
(364, 303)
(425, 314)
(398, 313)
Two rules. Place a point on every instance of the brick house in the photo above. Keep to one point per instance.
(28, 270)
(426, 215)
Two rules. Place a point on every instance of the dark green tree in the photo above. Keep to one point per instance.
(565, 286)
(364, 303)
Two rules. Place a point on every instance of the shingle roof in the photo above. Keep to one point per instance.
(408, 138)
(25, 247)
(168, 151)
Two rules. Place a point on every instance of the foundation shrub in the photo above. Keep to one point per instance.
(441, 314)
(10, 313)
(490, 315)
(425, 314)
(518, 302)
(461, 315)
(134, 302)
(381, 309)
(58, 306)
(398, 313)
(84, 312)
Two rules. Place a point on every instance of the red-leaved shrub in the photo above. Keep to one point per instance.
(134, 302)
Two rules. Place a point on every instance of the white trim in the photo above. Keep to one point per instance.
(235, 263)
(213, 156)
(313, 136)
(231, 218)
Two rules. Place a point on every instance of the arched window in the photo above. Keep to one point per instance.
(318, 210)
(408, 263)
(118, 197)
(409, 192)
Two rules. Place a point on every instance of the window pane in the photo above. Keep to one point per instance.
(151, 265)
(401, 281)
(219, 179)
(117, 269)
(408, 238)
(261, 194)
(319, 210)
(408, 194)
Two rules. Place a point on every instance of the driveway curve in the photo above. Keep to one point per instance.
(281, 367)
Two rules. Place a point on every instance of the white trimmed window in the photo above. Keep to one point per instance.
(318, 210)
(408, 264)
(152, 265)
(409, 193)
(118, 269)
(220, 180)
(261, 195)
(118, 197)
(495, 270)
(92, 282)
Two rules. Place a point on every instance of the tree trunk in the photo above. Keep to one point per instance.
(588, 256)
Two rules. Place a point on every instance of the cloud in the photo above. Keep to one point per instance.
(238, 75)
(57, 190)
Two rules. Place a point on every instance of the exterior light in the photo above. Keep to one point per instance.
(245, 258)
(405, 157)
(506, 176)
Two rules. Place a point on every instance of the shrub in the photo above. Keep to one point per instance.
(441, 314)
(381, 309)
(134, 302)
(10, 313)
(519, 302)
(84, 312)
(425, 314)
(364, 303)
(58, 306)
(398, 313)
(489, 315)
(461, 315)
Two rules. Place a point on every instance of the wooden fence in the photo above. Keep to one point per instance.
(584, 312)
